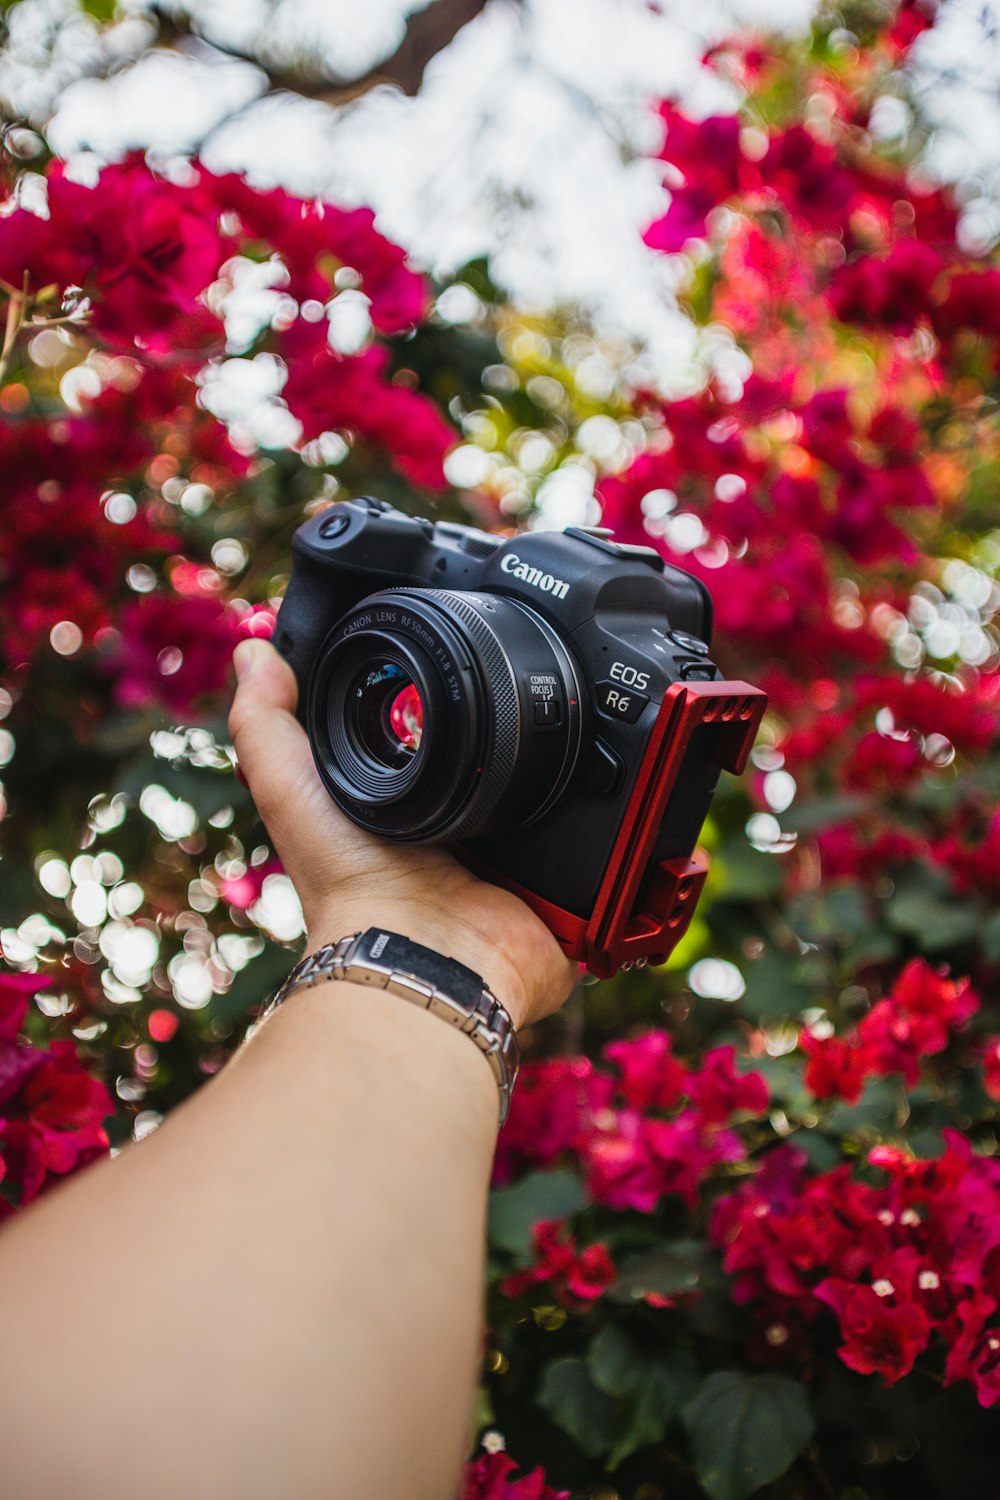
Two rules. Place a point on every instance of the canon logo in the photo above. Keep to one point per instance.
(538, 580)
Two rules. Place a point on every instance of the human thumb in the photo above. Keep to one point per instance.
(270, 743)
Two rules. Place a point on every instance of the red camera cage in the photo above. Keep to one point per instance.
(619, 931)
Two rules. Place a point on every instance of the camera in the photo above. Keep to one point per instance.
(545, 704)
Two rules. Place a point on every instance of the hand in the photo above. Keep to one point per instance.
(348, 879)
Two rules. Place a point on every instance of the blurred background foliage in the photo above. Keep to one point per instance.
(789, 385)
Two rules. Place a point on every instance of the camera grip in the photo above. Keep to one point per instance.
(308, 612)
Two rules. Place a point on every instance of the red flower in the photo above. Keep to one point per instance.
(142, 248)
(59, 1123)
(913, 18)
(971, 301)
(991, 1067)
(636, 1161)
(878, 1337)
(576, 1277)
(974, 1352)
(17, 1059)
(489, 1478)
(718, 1091)
(916, 1020)
(967, 718)
(243, 890)
(975, 867)
(315, 239)
(707, 156)
(882, 761)
(836, 1069)
(896, 293)
(329, 391)
(652, 1078)
(174, 652)
(805, 175)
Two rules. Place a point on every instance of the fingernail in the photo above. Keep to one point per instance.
(244, 656)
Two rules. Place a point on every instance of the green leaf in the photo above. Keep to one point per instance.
(514, 1211)
(572, 1400)
(875, 1110)
(101, 10)
(662, 1391)
(991, 937)
(817, 813)
(742, 873)
(774, 987)
(746, 1430)
(651, 1390)
(615, 1362)
(204, 788)
(835, 914)
(934, 923)
(255, 984)
(672, 1271)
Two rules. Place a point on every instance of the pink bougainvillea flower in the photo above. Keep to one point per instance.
(142, 248)
(243, 890)
(490, 1477)
(651, 1077)
(316, 240)
(804, 174)
(718, 1091)
(576, 1277)
(974, 1348)
(636, 1161)
(174, 652)
(17, 1059)
(353, 393)
(552, 1112)
(837, 1069)
(879, 1338)
(895, 293)
(706, 154)
(991, 1066)
(56, 1124)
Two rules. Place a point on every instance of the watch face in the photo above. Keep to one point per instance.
(392, 951)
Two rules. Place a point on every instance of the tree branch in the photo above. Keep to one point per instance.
(428, 32)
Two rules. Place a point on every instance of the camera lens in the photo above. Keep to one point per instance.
(387, 714)
(438, 715)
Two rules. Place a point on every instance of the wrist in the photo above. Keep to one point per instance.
(429, 925)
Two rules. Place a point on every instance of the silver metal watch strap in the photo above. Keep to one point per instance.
(484, 1020)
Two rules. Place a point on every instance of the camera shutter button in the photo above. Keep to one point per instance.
(687, 642)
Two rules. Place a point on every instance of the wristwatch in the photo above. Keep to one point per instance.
(441, 985)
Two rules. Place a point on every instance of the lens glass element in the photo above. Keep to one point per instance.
(386, 714)
(407, 717)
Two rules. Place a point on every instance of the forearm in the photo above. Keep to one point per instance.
(279, 1291)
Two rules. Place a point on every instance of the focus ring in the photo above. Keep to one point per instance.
(503, 710)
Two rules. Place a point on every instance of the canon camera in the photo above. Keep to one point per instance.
(545, 704)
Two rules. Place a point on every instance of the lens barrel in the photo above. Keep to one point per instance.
(424, 720)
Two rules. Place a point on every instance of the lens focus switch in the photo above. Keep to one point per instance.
(547, 713)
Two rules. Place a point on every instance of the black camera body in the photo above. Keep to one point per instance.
(544, 704)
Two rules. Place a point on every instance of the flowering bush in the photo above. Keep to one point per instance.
(745, 1229)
